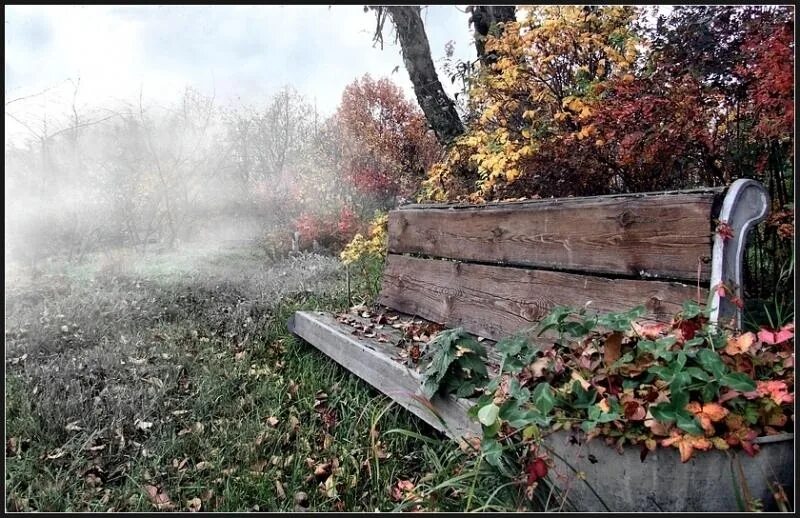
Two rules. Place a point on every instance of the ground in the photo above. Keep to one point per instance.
(171, 382)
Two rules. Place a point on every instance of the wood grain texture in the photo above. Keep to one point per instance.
(371, 361)
(656, 235)
(496, 301)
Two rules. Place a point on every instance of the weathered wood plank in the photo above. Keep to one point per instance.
(495, 301)
(371, 361)
(657, 235)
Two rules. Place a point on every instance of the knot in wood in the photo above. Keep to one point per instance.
(626, 218)
(654, 304)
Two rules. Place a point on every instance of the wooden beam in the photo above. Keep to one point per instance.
(494, 301)
(666, 235)
(371, 361)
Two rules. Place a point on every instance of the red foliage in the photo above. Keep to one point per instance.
(768, 72)
(536, 469)
(387, 146)
(329, 230)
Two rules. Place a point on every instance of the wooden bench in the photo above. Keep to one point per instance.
(495, 268)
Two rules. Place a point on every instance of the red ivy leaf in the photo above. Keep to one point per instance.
(725, 231)
(774, 337)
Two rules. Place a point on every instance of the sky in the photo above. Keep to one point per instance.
(239, 54)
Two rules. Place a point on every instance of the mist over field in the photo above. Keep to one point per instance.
(200, 140)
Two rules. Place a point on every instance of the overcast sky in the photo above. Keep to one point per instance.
(234, 52)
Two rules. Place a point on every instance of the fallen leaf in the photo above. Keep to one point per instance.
(12, 448)
(301, 499)
(686, 444)
(279, 490)
(778, 391)
(740, 344)
(73, 427)
(537, 368)
(612, 348)
(258, 466)
(707, 414)
(92, 480)
(159, 498)
(57, 454)
(322, 470)
(200, 466)
(292, 388)
(585, 384)
(774, 337)
(142, 425)
(194, 505)
(401, 489)
(634, 411)
(649, 331)
(272, 421)
(656, 427)
(329, 487)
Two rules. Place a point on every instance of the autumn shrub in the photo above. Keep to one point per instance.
(384, 146)
(329, 229)
(365, 254)
(587, 100)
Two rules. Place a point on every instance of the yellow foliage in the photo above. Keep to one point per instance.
(550, 66)
(375, 246)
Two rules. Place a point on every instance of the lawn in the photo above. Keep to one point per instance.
(172, 383)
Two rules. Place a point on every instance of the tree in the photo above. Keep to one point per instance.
(439, 109)
(486, 19)
(386, 146)
(532, 100)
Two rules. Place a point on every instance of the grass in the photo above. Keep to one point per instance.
(178, 375)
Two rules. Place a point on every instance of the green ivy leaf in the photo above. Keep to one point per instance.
(553, 319)
(488, 414)
(711, 362)
(519, 417)
(466, 389)
(697, 340)
(583, 398)
(542, 398)
(691, 309)
(688, 423)
(518, 392)
(698, 373)
(679, 380)
(738, 381)
(665, 373)
(680, 359)
(663, 412)
(492, 451)
(511, 346)
(709, 391)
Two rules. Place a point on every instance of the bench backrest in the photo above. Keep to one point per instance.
(499, 267)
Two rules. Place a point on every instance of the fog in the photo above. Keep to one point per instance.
(149, 177)
(124, 138)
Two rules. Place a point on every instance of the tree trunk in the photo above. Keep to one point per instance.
(439, 109)
(483, 18)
